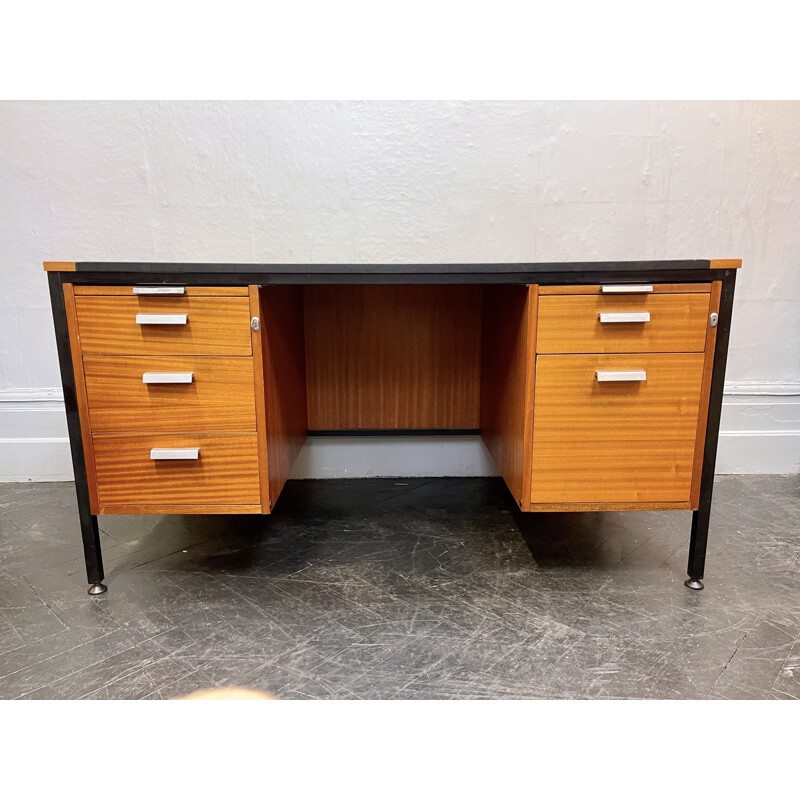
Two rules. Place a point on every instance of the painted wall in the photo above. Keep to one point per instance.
(416, 181)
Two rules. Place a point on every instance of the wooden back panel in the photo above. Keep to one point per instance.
(393, 357)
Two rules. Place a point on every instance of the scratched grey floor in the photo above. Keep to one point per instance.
(404, 589)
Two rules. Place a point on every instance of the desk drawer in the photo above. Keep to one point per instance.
(166, 290)
(622, 323)
(627, 435)
(176, 469)
(170, 393)
(153, 325)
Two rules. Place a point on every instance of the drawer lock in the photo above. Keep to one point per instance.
(255, 324)
(713, 320)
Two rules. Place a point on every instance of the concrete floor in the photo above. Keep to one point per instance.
(427, 588)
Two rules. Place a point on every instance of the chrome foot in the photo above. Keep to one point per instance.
(98, 588)
(694, 583)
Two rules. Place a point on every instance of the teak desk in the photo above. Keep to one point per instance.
(190, 388)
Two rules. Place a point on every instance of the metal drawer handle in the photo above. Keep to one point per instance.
(167, 377)
(629, 316)
(620, 289)
(159, 290)
(621, 375)
(175, 453)
(162, 319)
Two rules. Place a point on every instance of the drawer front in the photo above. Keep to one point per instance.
(180, 394)
(624, 323)
(153, 325)
(225, 470)
(626, 288)
(628, 436)
(163, 290)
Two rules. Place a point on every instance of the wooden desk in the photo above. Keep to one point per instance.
(190, 388)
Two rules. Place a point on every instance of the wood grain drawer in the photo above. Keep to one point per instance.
(615, 441)
(189, 291)
(219, 394)
(675, 323)
(213, 325)
(225, 471)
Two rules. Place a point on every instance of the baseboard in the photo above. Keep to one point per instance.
(393, 457)
(760, 429)
(39, 459)
(33, 436)
(759, 434)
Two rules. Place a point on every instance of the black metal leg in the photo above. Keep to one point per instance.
(91, 552)
(702, 517)
(697, 546)
(89, 530)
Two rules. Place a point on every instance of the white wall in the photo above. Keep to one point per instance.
(418, 181)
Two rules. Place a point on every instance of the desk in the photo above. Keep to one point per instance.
(190, 388)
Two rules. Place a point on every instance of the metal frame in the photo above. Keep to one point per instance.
(702, 517)
(89, 531)
(117, 273)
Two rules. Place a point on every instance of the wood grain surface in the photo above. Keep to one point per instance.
(188, 291)
(507, 369)
(583, 507)
(220, 397)
(658, 288)
(188, 508)
(80, 395)
(397, 357)
(615, 442)
(257, 340)
(705, 394)
(225, 473)
(284, 381)
(59, 266)
(571, 324)
(215, 326)
(726, 263)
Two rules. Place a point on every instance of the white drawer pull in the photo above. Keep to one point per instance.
(625, 289)
(162, 319)
(167, 377)
(175, 453)
(159, 290)
(624, 316)
(621, 375)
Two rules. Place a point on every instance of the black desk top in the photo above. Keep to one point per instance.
(390, 269)
(545, 272)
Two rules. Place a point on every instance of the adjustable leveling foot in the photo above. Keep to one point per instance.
(694, 583)
(98, 588)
